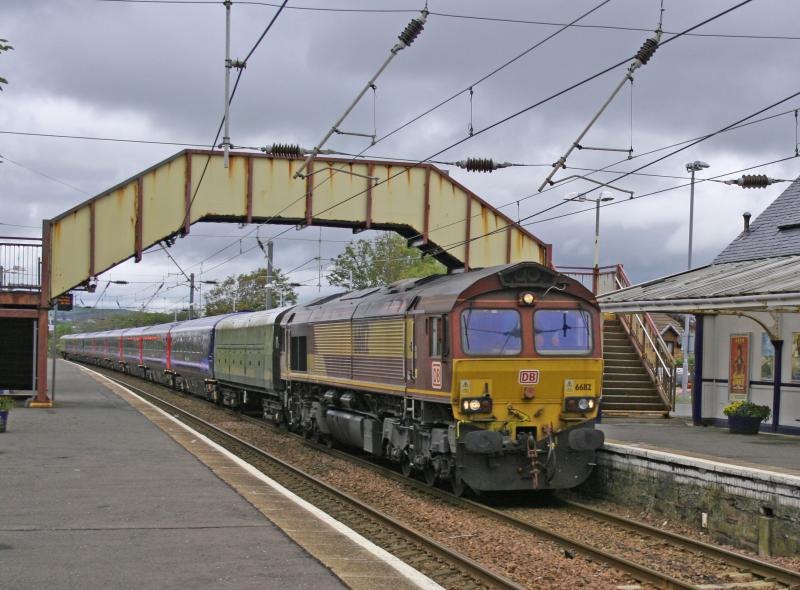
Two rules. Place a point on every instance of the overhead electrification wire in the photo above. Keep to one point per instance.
(541, 102)
(463, 17)
(607, 169)
(651, 163)
(42, 174)
(663, 190)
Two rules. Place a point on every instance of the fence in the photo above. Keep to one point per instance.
(20, 264)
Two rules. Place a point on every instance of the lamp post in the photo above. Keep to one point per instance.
(690, 167)
(603, 198)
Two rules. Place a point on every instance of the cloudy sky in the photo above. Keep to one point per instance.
(153, 72)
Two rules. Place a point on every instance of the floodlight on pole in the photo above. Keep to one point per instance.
(692, 167)
(603, 198)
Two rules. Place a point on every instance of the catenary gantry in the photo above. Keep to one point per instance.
(419, 201)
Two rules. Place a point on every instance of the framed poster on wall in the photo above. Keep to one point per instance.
(739, 367)
(795, 356)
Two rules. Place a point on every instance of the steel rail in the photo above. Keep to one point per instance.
(756, 566)
(483, 575)
(641, 573)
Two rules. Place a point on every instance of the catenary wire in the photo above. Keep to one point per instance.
(463, 17)
(664, 190)
(680, 149)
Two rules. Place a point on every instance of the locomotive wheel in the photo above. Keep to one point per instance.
(429, 473)
(405, 466)
(457, 486)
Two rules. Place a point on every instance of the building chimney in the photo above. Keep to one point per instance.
(746, 216)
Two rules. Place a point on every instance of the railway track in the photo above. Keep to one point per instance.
(750, 572)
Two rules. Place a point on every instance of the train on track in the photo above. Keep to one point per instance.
(488, 379)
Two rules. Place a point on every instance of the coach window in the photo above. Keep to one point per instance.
(437, 336)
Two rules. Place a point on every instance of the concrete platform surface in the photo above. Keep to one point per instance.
(769, 452)
(96, 496)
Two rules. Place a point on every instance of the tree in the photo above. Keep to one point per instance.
(249, 292)
(4, 46)
(380, 261)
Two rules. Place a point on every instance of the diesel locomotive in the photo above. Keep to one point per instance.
(488, 379)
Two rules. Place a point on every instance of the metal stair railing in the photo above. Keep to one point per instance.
(640, 328)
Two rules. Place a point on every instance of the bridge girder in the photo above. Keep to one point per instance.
(420, 202)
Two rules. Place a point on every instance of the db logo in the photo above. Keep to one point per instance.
(436, 375)
(529, 376)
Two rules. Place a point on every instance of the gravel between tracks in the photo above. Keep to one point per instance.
(675, 526)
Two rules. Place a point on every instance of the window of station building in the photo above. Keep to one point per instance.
(437, 336)
(562, 331)
(298, 360)
(767, 358)
(492, 332)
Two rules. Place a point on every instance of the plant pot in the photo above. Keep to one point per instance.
(3, 420)
(743, 424)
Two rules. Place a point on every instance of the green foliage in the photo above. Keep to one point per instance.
(747, 409)
(249, 292)
(4, 46)
(6, 403)
(380, 261)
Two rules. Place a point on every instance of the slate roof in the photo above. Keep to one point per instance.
(776, 232)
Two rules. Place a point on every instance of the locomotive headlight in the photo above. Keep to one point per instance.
(527, 299)
(579, 404)
(474, 405)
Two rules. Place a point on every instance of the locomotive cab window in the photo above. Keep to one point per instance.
(493, 332)
(437, 336)
(562, 331)
(297, 354)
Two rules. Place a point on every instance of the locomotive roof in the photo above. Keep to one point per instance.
(433, 294)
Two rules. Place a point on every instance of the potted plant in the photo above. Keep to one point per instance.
(6, 403)
(745, 417)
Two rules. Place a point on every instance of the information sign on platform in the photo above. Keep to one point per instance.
(64, 302)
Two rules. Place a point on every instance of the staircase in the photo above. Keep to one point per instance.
(627, 387)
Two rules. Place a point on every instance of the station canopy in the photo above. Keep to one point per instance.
(765, 284)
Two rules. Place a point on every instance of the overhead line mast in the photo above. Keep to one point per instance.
(405, 39)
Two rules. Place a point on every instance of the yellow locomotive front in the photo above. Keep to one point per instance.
(525, 385)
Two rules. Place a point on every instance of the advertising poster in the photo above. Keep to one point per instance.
(739, 372)
(796, 356)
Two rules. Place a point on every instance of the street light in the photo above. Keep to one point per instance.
(690, 167)
(603, 198)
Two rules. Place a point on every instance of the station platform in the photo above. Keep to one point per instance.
(678, 436)
(101, 492)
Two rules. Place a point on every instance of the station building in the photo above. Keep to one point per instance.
(747, 308)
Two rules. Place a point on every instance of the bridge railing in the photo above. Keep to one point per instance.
(20, 264)
(640, 327)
